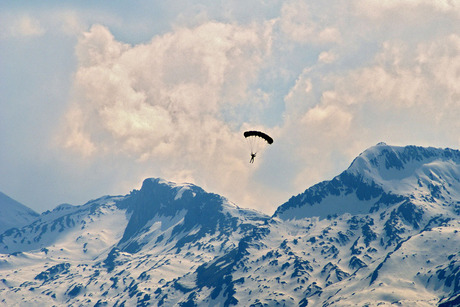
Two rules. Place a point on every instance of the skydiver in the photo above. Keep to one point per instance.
(253, 155)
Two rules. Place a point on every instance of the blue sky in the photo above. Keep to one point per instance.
(97, 97)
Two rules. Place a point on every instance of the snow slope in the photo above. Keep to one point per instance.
(385, 232)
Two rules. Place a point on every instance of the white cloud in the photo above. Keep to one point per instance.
(301, 23)
(21, 26)
(404, 76)
(327, 57)
(68, 22)
(39, 23)
(375, 8)
(75, 135)
(29, 27)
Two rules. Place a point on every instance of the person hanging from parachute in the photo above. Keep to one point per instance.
(256, 140)
(253, 155)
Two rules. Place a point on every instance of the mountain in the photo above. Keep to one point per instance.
(121, 249)
(384, 232)
(14, 214)
(382, 175)
(69, 231)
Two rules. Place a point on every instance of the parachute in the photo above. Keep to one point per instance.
(260, 134)
(257, 140)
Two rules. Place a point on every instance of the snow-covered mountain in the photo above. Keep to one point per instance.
(380, 176)
(14, 214)
(385, 231)
(121, 249)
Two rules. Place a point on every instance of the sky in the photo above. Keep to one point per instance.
(97, 96)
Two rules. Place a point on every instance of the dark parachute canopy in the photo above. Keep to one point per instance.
(260, 134)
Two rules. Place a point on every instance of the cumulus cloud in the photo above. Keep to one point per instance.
(162, 101)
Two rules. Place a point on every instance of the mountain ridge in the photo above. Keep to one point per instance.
(385, 231)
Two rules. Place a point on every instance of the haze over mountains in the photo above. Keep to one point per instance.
(383, 232)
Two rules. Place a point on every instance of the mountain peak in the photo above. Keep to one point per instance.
(387, 157)
(14, 214)
(163, 200)
(178, 188)
(161, 181)
(380, 172)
